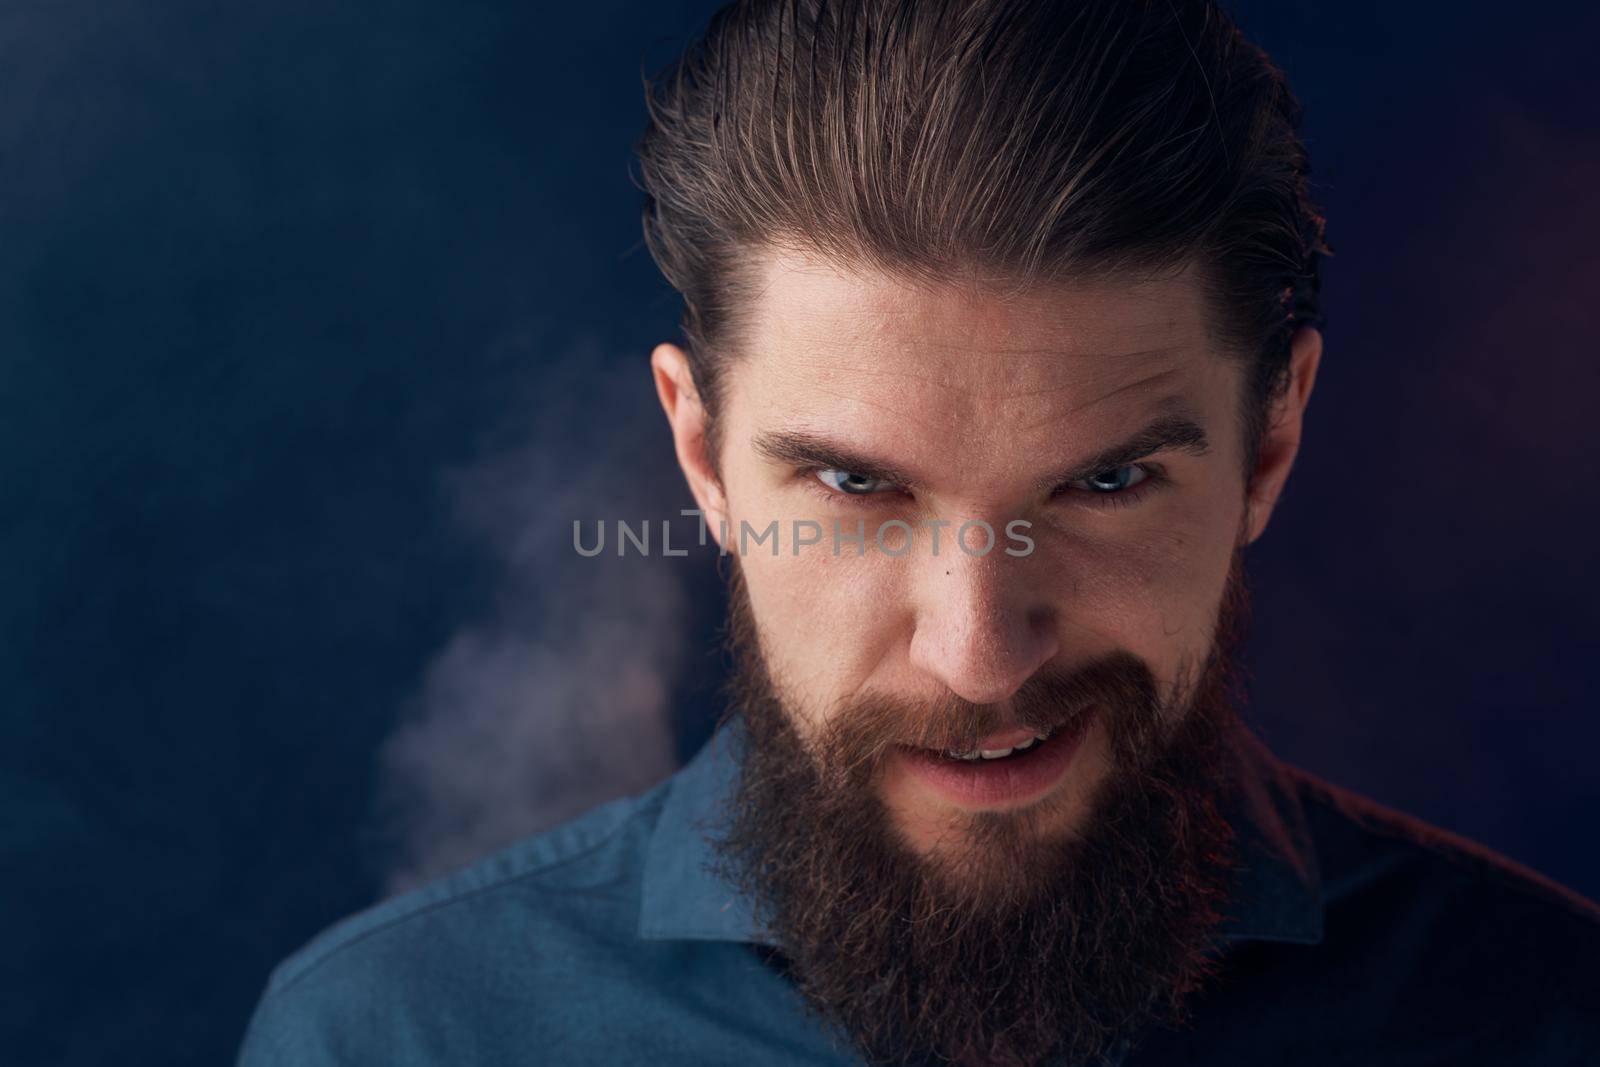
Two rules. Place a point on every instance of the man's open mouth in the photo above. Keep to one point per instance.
(1017, 750)
(1013, 766)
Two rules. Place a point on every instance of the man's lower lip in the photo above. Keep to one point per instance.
(1009, 782)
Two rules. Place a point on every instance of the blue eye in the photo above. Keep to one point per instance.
(849, 482)
(1114, 480)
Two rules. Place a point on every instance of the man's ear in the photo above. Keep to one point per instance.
(687, 416)
(1282, 441)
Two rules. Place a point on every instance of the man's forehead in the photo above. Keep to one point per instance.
(812, 314)
(834, 348)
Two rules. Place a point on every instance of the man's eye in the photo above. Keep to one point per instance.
(1114, 480)
(850, 482)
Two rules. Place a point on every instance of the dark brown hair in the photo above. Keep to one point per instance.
(1015, 141)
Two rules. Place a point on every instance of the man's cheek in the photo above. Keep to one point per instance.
(1161, 616)
(818, 619)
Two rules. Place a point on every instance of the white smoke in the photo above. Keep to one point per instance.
(559, 699)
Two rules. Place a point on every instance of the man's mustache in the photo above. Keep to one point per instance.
(1120, 686)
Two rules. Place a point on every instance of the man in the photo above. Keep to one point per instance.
(1001, 323)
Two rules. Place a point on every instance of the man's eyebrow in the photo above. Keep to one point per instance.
(1169, 433)
(805, 449)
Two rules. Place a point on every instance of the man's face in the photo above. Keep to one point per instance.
(858, 399)
(931, 889)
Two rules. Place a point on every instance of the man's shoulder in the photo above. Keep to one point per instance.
(510, 892)
(1425, 910)
(519, 920)
(1365, 847)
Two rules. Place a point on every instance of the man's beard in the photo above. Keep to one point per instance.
(1021, 945)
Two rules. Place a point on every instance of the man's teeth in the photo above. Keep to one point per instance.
(995, 753)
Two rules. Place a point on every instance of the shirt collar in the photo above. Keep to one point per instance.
(1276, 892)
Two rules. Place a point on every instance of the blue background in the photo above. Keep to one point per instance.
(273, 276)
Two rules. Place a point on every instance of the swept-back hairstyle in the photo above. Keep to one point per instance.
(1016, 141)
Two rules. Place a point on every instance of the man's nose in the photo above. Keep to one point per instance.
(982, 628)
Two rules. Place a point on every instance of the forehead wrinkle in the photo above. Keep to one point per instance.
(880, 406)
(840, 370)
(1143, 383)
(1104, 357)
(937, 422)
(867, 399)
(871, 369)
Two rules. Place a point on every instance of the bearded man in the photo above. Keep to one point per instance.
(1047, 267)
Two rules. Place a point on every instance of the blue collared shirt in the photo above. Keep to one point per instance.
(1355, 936)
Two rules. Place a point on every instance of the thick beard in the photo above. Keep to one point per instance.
(1022, 946)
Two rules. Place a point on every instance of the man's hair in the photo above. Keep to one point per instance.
(1007, 141)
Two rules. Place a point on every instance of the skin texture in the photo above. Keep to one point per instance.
(979, 400)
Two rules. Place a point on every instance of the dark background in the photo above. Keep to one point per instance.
(310, 311)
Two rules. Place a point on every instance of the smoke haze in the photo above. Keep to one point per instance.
(558, 699)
